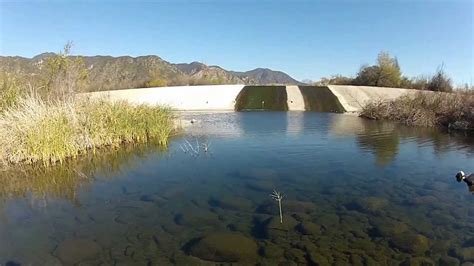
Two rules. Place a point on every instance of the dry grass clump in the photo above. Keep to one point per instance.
(452, 110)
(36, 130)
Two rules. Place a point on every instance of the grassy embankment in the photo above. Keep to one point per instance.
(451, 110)
(262, 98)
(51, 126)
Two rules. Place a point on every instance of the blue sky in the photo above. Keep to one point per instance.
(306, 39)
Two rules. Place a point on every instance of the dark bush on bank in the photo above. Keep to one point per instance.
(452, 110)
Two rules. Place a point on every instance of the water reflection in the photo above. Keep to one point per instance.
(383, 139)
(61, 181)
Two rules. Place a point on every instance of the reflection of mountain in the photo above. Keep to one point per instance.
(62, 181)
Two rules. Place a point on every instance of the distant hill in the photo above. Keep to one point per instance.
(266, 76)
(107, 72)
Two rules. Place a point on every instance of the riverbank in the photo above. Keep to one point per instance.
(450, 110)
(52, 131)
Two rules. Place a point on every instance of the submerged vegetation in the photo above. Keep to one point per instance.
(50, 124)
(451, 110)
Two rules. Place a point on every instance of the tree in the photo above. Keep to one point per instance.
(389, 71)
(367, 76)
(385, 74)
(440, 81)
(63, 74)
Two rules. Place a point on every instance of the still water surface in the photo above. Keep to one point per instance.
(356, 192)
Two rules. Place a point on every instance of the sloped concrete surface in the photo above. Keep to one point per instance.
(353, 98)
(185, 98)
(295, 98)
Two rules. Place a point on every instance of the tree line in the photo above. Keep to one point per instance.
(387, 73)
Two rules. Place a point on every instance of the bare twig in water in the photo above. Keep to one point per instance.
(206, 146)
(278, 196)
(195, 150)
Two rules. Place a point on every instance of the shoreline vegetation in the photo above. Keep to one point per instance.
(48, 124)
(453, 110)
(435, 104)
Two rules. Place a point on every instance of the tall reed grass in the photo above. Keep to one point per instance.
(51, 131)
(452, 110)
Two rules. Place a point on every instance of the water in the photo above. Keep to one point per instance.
(356, 191)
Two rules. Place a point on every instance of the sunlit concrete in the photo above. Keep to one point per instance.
(353, 98)
(185, 98)
(295, 99)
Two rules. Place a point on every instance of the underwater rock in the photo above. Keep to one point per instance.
(309, 228)
(468, 243)
(465, 254)
(72, 251)
(448, 261)
(318, 259)
(418, 261)
(368, 205)
(173, 192)
(357, 260)
(261, 173)
(196, 218)
(232, 203)
(261, 185)
(272, 251)
(300, 217)
(153, 199)
(296, 255)
(288, 206)
(424, 200)
(224, 247)
(363, 244)
(274, 228)
(385, 227)
(328, 220)
(412, 243)
(183, 259)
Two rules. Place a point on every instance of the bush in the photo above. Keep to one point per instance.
(156, 83)
(452, 110)
(11, 89)
(440, 82)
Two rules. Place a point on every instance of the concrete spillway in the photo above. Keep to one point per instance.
(240, 97)
(272, 98)
(295, 99)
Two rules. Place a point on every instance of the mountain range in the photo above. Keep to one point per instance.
(107, 72)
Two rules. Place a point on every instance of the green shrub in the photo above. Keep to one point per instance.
(11, 89)
(156, 83)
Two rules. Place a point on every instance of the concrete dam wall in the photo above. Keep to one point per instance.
(331, 98)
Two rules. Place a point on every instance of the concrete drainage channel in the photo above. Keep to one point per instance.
(336, 99)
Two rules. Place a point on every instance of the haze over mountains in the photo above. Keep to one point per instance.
(107, 72)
